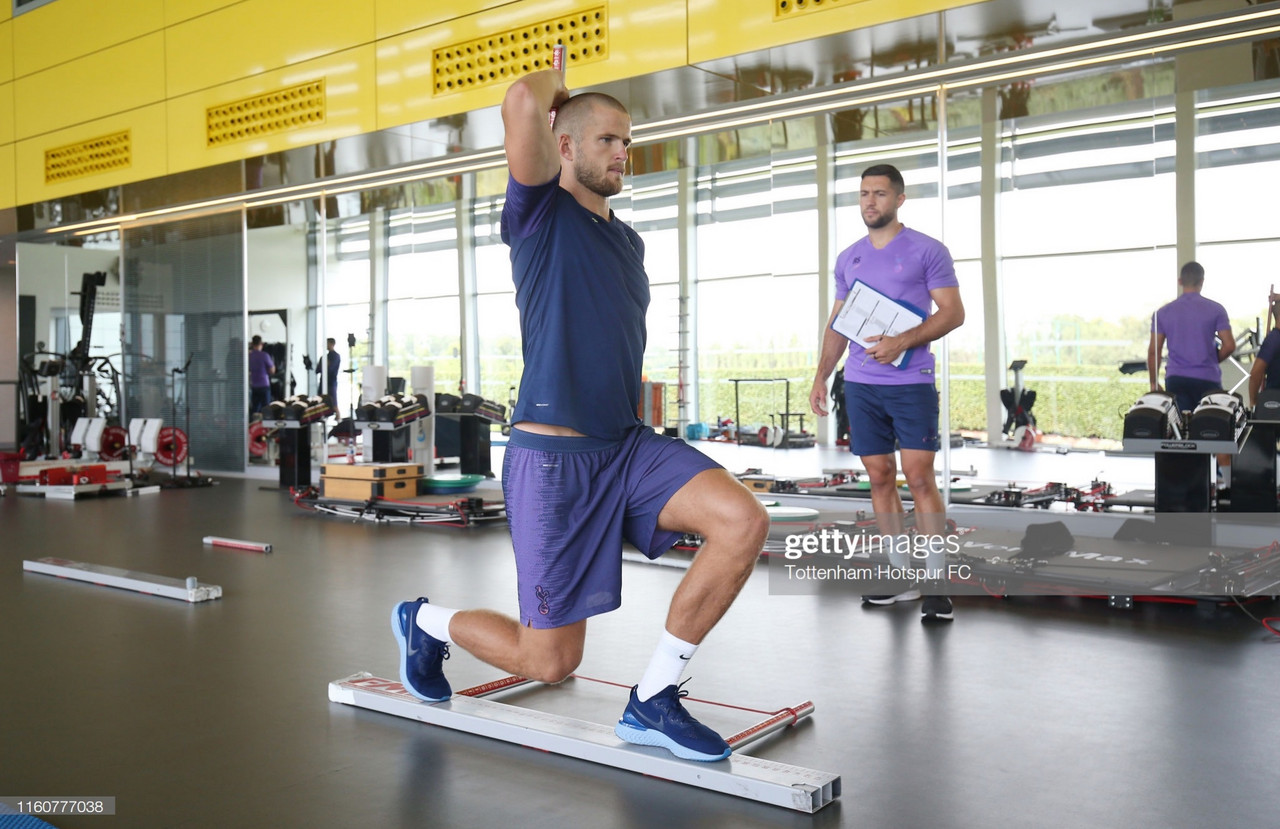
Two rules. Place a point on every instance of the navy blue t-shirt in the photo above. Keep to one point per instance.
(582, 293)
(1269, 353)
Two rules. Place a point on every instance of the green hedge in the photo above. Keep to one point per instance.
(1078, 401)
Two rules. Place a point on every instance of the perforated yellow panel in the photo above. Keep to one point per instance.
(88, 158)
(788, 8)
(502, 56)
(283, 109)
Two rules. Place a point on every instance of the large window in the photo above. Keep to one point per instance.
(1086, 241)
(757, 283)
(423, 311)
(1237, 156)
(1069, 203)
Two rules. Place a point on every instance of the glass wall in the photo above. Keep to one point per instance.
(423, 307)
(497, 319)
(184, 314)
(1086, 242)
(1237, 151)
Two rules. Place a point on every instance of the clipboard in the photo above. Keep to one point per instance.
(870, 313)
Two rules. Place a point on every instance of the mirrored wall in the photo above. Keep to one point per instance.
(1068, 199)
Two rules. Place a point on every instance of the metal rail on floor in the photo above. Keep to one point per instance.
(740, 775)
(187, 590)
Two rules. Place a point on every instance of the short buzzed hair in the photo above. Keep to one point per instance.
(890, 172)
(1191, 275)
(573, 113)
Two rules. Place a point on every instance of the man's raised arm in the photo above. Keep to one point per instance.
(533, 154)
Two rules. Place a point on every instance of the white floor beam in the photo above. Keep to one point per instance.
(792, 787)
(188, 590)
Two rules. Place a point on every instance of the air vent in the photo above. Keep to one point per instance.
(791, 8)
(506, 55)
(271, 112)
(88, 158)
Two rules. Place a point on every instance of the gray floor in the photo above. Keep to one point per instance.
(1026, 712)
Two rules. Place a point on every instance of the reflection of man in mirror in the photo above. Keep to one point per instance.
(1265, 373)
(261, 367)
(1198, 335)
(893, 406)
(327, 368)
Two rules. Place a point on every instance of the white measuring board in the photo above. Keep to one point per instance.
(764, 781)
(69, 492)
(188, 590)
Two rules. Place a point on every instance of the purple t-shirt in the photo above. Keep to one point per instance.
(906, 269)
(1189, 324)
(260, 363)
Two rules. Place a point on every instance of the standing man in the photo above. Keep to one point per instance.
(1199, 337)
(261, 367)
(331, 361)
(1190, 325)
(891, 404)
(581, 473)
(1265, 372)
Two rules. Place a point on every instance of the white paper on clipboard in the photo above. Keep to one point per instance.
(869, 313)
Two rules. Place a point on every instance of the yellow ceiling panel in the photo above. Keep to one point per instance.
(68, 29)
(7, 132)
(320, 100)
(113, 80)
(145, 131)
(6, 51)
(176, 11)
(762, 24)
(643, 36)
(258, 36)
(8, 190)
(399, 16)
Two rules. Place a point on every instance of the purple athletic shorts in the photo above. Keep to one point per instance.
(572, 501)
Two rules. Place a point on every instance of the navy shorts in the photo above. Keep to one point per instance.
(572, 501)
(1187, 391)
(881, 415)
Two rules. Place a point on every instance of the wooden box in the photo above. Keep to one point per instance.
(372, 471)
(363, 490)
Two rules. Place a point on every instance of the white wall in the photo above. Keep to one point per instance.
(51, 273)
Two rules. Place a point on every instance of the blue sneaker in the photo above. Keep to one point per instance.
(662, 721)
(422, 656)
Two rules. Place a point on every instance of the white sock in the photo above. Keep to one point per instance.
(898, 550)
(666, 666)
(434, 620)
(1224, 472)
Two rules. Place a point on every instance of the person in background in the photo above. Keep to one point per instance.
(895, 406)
(261, 367)
(1265, 372)
(327, 368)
(1198, 334)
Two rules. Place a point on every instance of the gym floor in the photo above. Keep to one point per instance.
(1046, 712)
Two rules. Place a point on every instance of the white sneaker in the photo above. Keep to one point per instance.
(907, 596)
